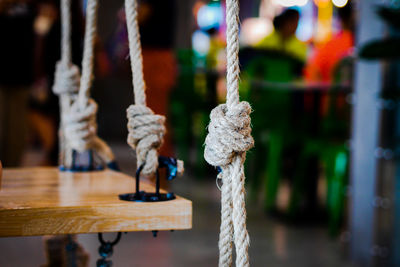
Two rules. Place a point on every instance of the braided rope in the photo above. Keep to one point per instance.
(228, 140)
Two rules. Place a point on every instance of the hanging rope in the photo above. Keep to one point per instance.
(79, 111)
(146, 129)
(228, 140)
(66, 80)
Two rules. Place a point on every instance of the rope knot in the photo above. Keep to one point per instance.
(81, 126)
(66, 80)
(146, 132)
(229, 134)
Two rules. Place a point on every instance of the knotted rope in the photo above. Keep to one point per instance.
(66, 79)
(228, 140)
(146, 129)
(78, 110)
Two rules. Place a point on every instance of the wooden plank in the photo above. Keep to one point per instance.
(44, 201)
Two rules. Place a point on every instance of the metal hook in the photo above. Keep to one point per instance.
(113, 243)
(106, 250)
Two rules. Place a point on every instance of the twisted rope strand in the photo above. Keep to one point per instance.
(88, 53)
(232, 51)
(135, 52)
(66, 32)
(228, 139)
(226, 228)
(241, 235)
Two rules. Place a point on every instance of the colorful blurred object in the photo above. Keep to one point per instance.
(209, 16)
(201, 43)
(340, 3)
(324, 23)
(290, 3)
(254, 29)
(322, 65)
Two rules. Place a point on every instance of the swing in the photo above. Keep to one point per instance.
(41, 201)
(85, 198)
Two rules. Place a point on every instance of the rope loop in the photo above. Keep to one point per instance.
(146, 133)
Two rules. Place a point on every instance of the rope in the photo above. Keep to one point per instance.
(66, 80)
(146, 129)
(88, 53)
(78, 110)
(228, 140)
(66, 31)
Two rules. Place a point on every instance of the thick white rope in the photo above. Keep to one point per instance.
(79, 111)
(228, 140)
(146, 129)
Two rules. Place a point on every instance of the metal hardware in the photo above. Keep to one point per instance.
(106, 250)
(171, 165)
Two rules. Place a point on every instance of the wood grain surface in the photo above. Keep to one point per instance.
(45, 201)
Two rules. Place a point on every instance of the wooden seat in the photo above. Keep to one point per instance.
(45, 201)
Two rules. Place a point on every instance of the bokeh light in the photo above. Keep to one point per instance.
(339, 3)
(289, 3)
(254, 29)
(200, 42)
(209, 16)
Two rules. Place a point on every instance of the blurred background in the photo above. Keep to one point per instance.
(322, 76)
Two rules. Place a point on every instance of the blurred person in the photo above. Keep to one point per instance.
(325, 59)
(283, 37)
(16, 76)
(323, 65)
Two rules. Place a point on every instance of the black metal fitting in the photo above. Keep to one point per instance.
(171, 165)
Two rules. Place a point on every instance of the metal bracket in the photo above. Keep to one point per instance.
(171, 165)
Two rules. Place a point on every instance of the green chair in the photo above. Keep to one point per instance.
(329, 145)
(271, 118)
(189, 111)
(180, 110)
